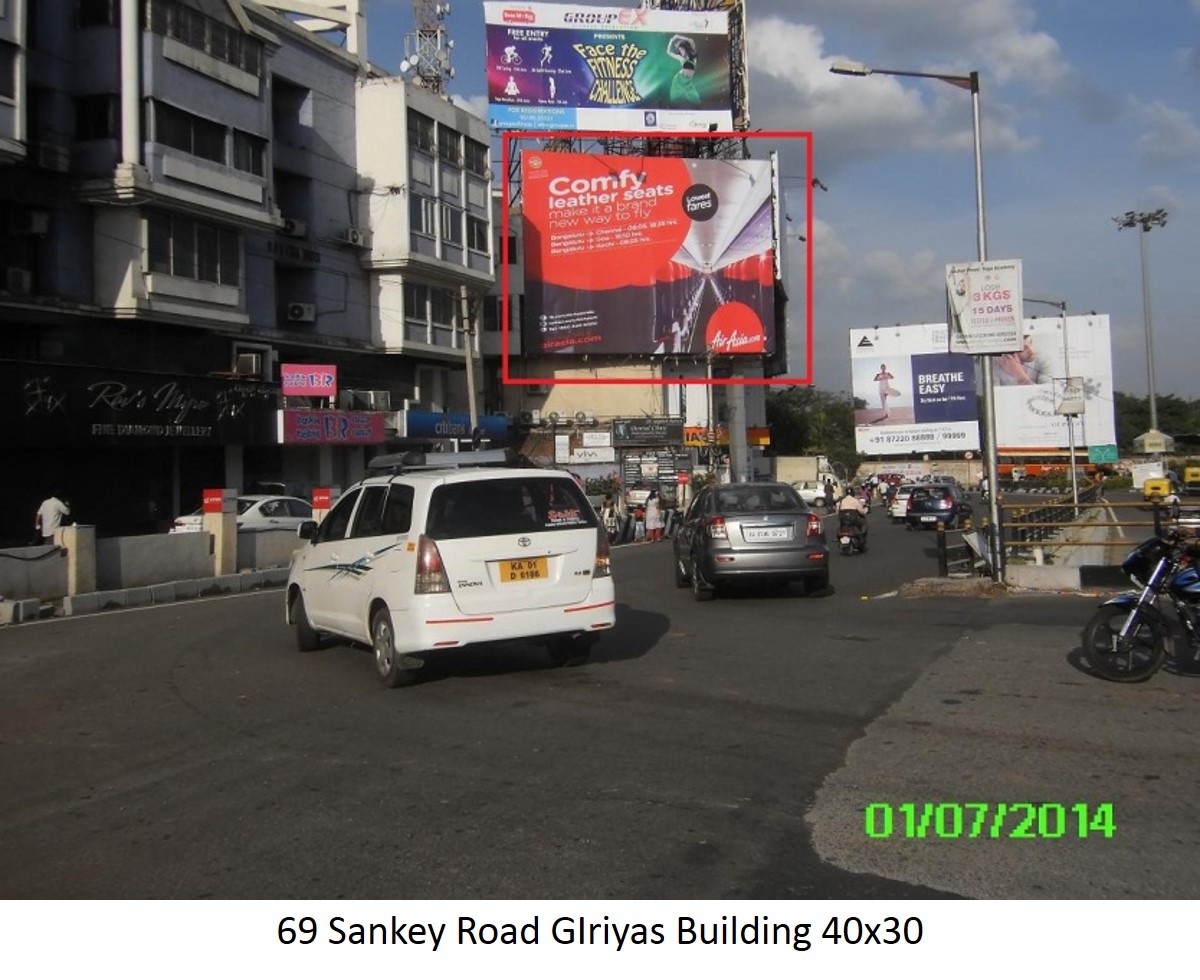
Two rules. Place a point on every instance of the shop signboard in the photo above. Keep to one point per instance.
(647, 432)
(63, 406)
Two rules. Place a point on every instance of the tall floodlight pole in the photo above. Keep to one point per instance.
(1145, 220)
(971, 84)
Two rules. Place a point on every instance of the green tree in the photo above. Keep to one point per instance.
(808, 422)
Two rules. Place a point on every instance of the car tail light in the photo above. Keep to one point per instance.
(431, 573)
(814, 527)
(715, 526)
(603, 566)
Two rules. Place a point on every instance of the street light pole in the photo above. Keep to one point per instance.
(971, 84)
(1145, 220)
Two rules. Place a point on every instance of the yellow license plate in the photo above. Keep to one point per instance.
(524, 569)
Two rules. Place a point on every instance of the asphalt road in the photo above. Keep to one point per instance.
(707, 750)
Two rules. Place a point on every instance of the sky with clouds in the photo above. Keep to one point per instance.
(1090, 109)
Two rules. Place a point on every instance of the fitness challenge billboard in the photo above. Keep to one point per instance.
(1030, 385)
(918, 397)
(565, 67)
(647, 255)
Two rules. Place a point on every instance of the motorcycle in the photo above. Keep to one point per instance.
(1126, 640)
(850, 536)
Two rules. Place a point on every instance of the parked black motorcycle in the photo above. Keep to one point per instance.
(1126, 640)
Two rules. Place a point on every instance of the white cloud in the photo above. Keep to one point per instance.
(477, 105)
(1171, 135)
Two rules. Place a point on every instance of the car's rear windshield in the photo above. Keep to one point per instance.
(515, 505)
(755, 500)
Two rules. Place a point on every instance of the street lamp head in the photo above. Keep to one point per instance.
(844, 67)
(1142, 219)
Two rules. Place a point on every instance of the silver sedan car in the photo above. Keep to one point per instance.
(750, 532)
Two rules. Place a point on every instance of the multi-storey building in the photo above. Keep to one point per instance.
(192, 194)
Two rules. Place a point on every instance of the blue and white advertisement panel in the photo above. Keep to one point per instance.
(567, 67)
(1030, 385)
(916, 397)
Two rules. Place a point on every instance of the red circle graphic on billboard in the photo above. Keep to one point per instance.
(735, 329)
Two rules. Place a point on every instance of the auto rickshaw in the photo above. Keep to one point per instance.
(1157, 488)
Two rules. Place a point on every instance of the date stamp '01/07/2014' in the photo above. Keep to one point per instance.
(994, 821)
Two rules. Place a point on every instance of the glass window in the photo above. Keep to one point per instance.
(442, 306)
(298, 508)
(368, 522)
(421, 214)
(397, 514)
(476, 157)
(230, 272)
(333, 528)
(477, 234)
(416, 296)
(183, 131)
(248, 153)
(447, 144)
(452, 225)
(208, 253)
(8, 70)
(160, 242)
(98, 13)
(508, 506)
(420, 131)
(182, 246)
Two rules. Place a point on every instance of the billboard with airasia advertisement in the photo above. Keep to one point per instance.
(567, 66)
(648, 255)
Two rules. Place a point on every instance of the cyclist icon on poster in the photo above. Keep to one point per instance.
(683, 85)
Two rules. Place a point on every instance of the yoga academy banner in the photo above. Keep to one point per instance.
(910, 395)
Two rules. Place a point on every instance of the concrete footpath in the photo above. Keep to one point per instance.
(1003, 718)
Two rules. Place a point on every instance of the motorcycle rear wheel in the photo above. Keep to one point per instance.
(1135, 658)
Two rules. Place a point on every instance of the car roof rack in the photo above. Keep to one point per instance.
(416, 460)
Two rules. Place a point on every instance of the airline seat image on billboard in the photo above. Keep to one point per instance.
(647, 255)
(563, 66)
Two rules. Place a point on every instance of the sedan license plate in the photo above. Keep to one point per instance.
(767, 533)
(928, 518)
(523, 569)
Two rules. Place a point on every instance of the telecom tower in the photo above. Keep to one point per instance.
(427, 49)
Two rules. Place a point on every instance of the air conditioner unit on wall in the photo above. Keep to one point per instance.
(248, 365)
(365, 400)
(352, 236)
(18, 280)
(301, 312)
(294, 227)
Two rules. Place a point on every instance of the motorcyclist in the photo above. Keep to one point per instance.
(853, 510)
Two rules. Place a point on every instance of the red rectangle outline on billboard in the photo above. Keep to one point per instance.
(507, 378)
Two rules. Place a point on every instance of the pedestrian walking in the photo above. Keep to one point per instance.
(639, 523)
(50, 514)
(654, 517)
(608, 516)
